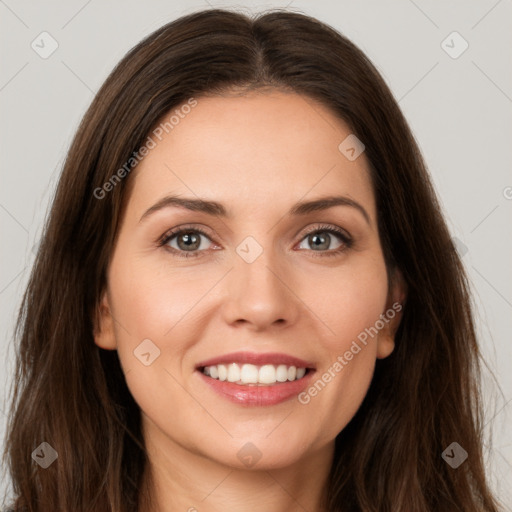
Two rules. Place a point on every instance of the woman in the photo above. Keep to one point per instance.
(246, 296)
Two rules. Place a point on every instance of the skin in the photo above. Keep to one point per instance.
(257, 154)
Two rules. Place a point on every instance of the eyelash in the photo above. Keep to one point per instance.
(345, 238)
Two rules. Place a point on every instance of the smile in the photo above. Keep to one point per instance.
(250, 374)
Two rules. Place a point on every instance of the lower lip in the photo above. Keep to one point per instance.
(258, 395)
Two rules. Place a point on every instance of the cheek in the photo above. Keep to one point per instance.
(351, 308)
(155, 315)
(156, 304)
(152, 299)
(347, 301)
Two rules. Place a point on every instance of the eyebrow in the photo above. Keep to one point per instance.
(217, 209)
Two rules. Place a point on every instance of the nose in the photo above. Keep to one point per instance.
(260, 294)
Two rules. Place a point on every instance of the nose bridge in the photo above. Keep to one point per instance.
(258, 293)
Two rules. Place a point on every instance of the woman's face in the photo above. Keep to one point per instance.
(268, 289)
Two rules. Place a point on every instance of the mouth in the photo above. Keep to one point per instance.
(247, 378)
(253, 375)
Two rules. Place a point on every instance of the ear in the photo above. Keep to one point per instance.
(392, 316)
(104, 335)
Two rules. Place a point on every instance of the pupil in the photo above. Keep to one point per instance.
(190, 241)
(320, 241)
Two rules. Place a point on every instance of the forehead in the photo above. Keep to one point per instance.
(269, 148)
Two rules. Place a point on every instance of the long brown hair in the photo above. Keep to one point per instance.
(73, 395)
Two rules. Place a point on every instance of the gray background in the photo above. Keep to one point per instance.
(458, 108)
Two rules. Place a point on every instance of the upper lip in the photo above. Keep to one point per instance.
(257, 359)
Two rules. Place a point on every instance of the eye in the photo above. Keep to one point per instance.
(185, 242)
(321, 238)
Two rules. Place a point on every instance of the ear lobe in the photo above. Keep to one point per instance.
(104, 335)
(392, 316)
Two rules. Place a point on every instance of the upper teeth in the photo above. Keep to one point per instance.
(251, 374)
